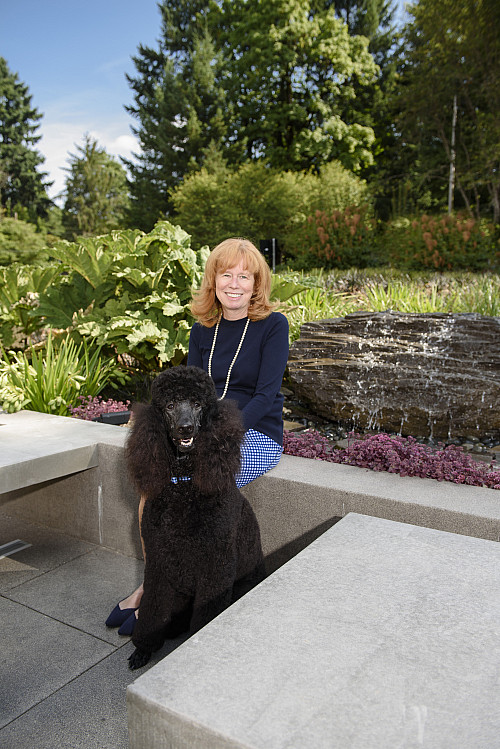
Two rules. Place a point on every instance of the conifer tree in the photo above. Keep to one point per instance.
(21, 184)
(96, 192)
(179, 106)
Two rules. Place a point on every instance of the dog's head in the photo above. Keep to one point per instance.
(187, 401)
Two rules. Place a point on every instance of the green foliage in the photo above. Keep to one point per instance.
(292, 74)
(283, 82)
(128, 292)
(96, 192)
(253, 201)
(340, 239)
(336, 188)
(449, 242)
(20, 286)
(20, 242)
(315, 304)
(466, 293)
(452, 49)
(20, 181)
(180, 107)
(258, 202)
(50, 380)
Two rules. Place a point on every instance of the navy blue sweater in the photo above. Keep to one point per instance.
(257, 373)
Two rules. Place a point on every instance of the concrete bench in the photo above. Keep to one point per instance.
(379, 634)
(39, 447)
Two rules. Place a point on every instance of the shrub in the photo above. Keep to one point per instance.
(259, 203)
(336, 188)
(253, 201)
(449, 242)
(402, 455)
(340, 239)
(127, 292)
(20, 242)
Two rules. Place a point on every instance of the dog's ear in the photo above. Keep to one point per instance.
(217, 457)
(149, 453)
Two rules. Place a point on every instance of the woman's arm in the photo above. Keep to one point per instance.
(275, 351)
(194, 353)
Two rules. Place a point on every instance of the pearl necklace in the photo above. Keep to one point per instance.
(234, 358)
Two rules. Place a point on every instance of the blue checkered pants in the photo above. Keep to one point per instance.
(259, 453)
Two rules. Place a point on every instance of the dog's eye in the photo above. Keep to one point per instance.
(170, 406)
(196, 404)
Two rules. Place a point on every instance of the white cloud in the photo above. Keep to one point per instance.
(61, 138)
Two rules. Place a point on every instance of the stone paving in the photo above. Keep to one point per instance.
(64, 674)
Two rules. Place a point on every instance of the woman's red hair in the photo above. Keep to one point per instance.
(205, 306)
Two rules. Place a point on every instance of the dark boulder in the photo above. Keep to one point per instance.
(425, 375)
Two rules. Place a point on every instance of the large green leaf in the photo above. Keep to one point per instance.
(16, 281)
(282, 289)
(59, 304)
(89, 257)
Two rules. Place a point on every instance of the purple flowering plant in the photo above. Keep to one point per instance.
(395, 454)
(93, 407)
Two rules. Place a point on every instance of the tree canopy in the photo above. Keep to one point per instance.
(290, 86)
(453, 50)
(21, 184)
(268, 80)
(96, 191)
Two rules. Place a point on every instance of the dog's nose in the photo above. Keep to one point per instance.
(185, 429)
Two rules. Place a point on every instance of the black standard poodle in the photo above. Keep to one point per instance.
(201, 538)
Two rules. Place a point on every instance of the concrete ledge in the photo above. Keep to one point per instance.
(71, 475)
(379, 634)
(39, 447)
(301, 498)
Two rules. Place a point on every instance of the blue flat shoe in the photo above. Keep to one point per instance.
(118, 616)
(127, 627)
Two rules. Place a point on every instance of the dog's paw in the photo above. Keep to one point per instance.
(138, 659)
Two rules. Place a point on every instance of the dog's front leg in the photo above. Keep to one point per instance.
(155, 613)
(138, 659)
(214, 591)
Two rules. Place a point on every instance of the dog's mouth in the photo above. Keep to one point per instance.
(184, 443)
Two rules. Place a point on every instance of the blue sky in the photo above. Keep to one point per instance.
(73, 57)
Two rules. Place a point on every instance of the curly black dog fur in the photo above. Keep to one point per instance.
(201, 537)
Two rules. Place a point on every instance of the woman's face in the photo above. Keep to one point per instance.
(234, 288)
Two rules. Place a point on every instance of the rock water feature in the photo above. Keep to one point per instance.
(433, 376)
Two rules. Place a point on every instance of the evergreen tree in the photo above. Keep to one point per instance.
(293, 69)
(21, 184)
(179, 105)
(96, 192)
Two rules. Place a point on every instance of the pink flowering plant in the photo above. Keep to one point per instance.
(394, 454)
(93, 407)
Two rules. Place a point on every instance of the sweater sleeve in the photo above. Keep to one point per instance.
(194, 353)
(275, 351)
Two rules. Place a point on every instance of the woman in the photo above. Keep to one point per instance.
(243, 345)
